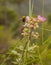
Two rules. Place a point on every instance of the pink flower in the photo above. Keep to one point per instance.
(41, 18)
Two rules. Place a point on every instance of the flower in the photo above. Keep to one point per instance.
(25, 25)
(25, 34)
(41, 18)
(27, 18)
(36, 36)
(31, 26)
(36, 25)
(25, 30)
(33, 19)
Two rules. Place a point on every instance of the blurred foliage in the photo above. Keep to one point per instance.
(49, 18)
(11, 42)
(17, 1)
(36, 54)
(13, 1)
(11, 15)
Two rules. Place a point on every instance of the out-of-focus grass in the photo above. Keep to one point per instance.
(42, 57)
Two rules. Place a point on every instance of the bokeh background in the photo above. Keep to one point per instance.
(10, 27)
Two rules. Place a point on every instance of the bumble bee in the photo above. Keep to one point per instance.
(25, 18)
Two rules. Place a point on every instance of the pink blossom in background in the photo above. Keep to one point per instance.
(41, 18)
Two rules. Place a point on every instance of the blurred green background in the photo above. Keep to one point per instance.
(10, 29)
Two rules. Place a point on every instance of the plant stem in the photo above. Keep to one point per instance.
(25, 51)
(42, 15)
(30, 8)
